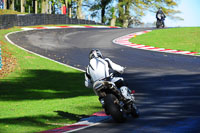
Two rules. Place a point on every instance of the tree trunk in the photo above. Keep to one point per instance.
(121, 11)
(47, 6)
(70, 12)
(5, 4)
(127, 14)
(113, 20)
(43, 6)
(36, 4)
(79, 9)
(69, 6)
(12, 5)
(103, 14)
(22, 6)
(125, 23)
(66, 5)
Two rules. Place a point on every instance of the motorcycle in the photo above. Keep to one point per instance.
(118, 103)
(160, 21)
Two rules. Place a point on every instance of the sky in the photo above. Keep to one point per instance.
(190, 12)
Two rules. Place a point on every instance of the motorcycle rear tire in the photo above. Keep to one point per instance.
(113, 108)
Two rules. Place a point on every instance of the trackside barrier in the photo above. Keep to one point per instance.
(9, 21)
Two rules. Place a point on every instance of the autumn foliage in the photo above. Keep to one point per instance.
(8, 60)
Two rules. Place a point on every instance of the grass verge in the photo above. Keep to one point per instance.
(187, 39)
(38, 94)
(4, 11)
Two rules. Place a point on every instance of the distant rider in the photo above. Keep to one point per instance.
(100, 69)
(160, 16)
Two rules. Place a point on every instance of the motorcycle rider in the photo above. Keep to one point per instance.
(100, 69)
(160, 16)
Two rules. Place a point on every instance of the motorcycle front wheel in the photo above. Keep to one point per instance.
(113, 108)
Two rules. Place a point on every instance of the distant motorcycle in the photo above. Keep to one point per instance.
(115, 103)
(160, 21)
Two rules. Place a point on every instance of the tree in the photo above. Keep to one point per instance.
(35, 8)
(140, 6)
(5, 4)
(121, 11)
(43, 6)
(79, 9)
(75, 8)
(100, 5)
(9, 4)
(22, 3)
(103, 4)
(12, 5)
(113, 16)
(126, 6)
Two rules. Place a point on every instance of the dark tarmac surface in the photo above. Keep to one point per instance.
(167, 85)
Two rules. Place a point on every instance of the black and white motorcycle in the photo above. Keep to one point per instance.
(117, 102)
(160, 21)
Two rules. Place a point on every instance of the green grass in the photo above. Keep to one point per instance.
(4, 11)
(187, 39)
(41, 94)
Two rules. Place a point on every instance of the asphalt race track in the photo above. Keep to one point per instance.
(167, 85)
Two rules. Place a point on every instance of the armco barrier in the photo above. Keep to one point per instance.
(8, 21)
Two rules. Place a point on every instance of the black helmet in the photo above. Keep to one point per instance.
(95, 53)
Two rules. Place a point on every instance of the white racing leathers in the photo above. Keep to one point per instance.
(99, 69)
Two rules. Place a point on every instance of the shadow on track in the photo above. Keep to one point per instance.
(167, 103)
